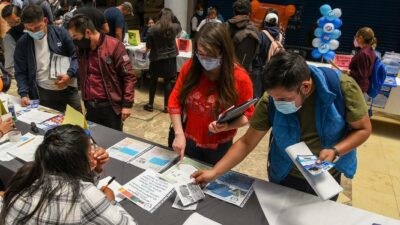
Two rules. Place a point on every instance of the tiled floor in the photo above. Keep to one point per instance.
(376, 186)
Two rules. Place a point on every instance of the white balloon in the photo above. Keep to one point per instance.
(316, 42)
(328, 28)
(338, 12)
(334, 44)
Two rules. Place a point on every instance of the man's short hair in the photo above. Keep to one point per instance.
(241, 7)
(32, 13)
(8, 10)
(80, 23)
(287, 70)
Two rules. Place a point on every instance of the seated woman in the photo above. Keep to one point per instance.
(207, 85)
(58, 186)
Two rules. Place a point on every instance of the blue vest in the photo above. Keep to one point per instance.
(331, 128)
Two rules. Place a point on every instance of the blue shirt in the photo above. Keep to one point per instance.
(115, 19)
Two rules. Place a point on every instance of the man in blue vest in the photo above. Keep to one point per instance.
(301, 104)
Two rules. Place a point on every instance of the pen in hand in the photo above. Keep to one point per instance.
(110, 181)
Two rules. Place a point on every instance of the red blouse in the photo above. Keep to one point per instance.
(200, 106)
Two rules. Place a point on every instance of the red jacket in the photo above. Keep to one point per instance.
(116, 71)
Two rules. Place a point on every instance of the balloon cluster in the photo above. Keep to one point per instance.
(327, 33)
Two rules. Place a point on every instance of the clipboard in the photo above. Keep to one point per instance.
(235, 111)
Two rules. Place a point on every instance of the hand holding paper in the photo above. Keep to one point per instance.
(62, 80)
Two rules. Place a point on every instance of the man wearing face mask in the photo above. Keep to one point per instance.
(32, 58)
(301, 104)
(11, 14)
(106, 75)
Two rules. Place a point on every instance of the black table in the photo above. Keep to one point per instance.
(210, 207)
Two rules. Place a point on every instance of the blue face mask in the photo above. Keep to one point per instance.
(209, 63)
(200, 13)
(37, 35)
(286, 107)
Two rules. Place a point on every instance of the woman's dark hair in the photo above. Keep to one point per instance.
(213, 36)
(286, 70)
(62, 154)
(31, 14)
(149, 18)
(198, 7)
(241, 7)
(8, 10)
(81, 22)
(368, 36)
(165, 21)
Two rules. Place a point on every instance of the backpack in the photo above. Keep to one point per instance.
(376, 80)
(275, 46)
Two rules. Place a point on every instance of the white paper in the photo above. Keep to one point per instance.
(59, 65)
(24, 149)
(189, 193)
(156, 159)
(197, 219)
(231, 187)
(147, 190)
(180, 172)
(34, 115)
(114, 186)
(324, 184)
(178, 205)
(286, 206)
(128, 149)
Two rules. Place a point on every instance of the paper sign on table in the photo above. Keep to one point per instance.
(156, 159)
(128, 149)
(133, 37)
(147, 190)
(74, 117)
(197, 219)
(180, 172)
(178, 205)
(114, 186)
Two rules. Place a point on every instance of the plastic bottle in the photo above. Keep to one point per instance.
(11, 109)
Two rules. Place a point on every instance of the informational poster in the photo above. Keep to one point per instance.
(181, 172)
(128, 149)
(231, 187)
(156, 159)
(147, 190)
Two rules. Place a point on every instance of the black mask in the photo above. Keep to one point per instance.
(84, 43)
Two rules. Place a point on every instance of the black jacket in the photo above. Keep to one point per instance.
(161, 46)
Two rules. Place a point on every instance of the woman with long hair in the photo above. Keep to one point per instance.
(363, 62)
(58, 186)
(163, 51)
(207, 85)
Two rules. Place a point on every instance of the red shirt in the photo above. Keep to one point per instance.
(200, 106)
(361, 67)
(94, 88)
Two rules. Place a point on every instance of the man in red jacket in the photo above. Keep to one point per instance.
(106, 76)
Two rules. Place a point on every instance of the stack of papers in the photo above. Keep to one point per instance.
(36, 115)
(24, 149)
(156, 159)
(231, 187)
(181, 172)
(189, 193)
(128, 149)
(309, 163)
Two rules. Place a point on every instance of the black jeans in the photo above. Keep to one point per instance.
(153, 87)
(206, 155)
(104, 114)
(59, 100)
(301, 184)
(255, 76)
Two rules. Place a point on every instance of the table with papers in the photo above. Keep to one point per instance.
(270, 204)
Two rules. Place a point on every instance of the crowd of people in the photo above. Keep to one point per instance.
(230, 65)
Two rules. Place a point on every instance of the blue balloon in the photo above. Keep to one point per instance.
(318, 32)
(325, 38)
(324, 48)
(331, 15)
(315, 53)
(321, 22)
(337, 23)
(336, 34)
(329, 56)
(324, 9)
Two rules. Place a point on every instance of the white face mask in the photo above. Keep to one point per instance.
(209, 63)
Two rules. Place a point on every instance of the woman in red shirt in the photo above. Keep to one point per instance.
(363, 62)
(207, 85)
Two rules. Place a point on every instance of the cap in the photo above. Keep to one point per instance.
(128, 6)
(271, 16)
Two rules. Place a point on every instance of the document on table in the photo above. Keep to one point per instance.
(147, 190)
(114, 186)
(197, 219)
(156, 158)
(323, 184)
(24, 149)
(36, 115)
(128, 149)
(178, 205)
(189, 193)
(180, 172)
(231, 187)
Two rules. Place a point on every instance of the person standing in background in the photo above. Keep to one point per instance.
(196, 19)
(211, 18)
(4, 27)
(149, 23)
(46, 7)
(115, 17)
(97, 17)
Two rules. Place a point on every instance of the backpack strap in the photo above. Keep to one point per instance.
(333, 80)
(271, 39)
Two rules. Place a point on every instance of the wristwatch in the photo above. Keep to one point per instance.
(337, 154)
